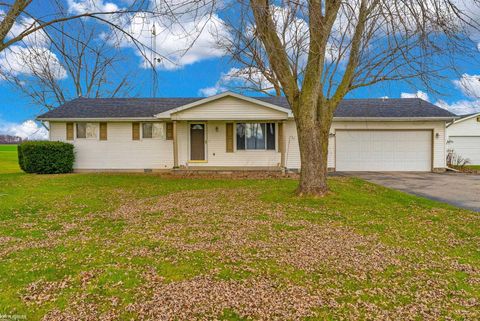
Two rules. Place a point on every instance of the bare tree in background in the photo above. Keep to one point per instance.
(319, 51)
(75, 64)
(117, 19)
(74, 50)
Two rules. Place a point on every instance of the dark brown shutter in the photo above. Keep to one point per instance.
(229, 137)
(169, 131)
(103, 131)
(136, 131)
(69, 131)
(280, 138)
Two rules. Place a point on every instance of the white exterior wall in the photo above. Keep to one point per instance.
(439, 152)
(469, 127)
(216, 149)
(119, 151)
(464, 138)
(229, 108)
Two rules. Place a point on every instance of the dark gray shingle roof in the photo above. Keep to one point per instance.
(147, 107)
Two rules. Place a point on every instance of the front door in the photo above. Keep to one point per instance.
(197, 142)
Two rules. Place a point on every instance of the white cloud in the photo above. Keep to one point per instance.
(186, 32)
(28, 129)
(210, 91)
(37, 38)
(18, 60)
(461, 107)
(83, 6)
(179, 43)
(31, 55)
(469, 85)
(241, 78)
(419, 94)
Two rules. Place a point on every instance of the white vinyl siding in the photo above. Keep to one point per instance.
(438, 127)
(464, 139)
(468, 127)
(468, 147)
(383, 150)
(229, 108)
(216, 153)
(119, 151)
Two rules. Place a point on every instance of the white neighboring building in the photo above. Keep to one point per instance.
(236, 132)
(463, 137)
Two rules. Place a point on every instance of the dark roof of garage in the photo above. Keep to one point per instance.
(148, 107)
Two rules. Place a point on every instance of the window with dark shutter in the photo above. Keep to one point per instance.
(280, 138)
(229, 137)
(103, 131)
(69, 131)
(135, 131)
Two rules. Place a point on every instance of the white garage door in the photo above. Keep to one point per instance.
(392, 150)
(467, 147)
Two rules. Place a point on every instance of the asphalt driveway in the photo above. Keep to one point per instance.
(462, 190)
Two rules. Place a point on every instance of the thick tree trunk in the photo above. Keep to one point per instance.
(313, 134)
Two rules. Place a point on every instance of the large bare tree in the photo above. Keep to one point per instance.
(59, 66)
(319, 51)
(82, 40)
(17, 12)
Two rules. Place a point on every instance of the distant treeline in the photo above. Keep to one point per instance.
(9, 139)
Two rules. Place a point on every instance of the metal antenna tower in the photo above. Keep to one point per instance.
(153, 61)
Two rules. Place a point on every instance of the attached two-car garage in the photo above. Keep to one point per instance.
(383, 150)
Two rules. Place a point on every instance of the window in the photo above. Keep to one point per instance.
(86, 130)
(251, 136)
(153, 130)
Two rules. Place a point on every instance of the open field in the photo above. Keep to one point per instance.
(122, 246)
(8, 159)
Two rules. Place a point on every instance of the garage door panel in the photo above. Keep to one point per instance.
(467, 147)
(383, 150)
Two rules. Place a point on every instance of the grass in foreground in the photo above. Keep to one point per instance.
(162, 247)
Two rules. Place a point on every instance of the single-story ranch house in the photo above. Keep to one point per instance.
(231, 131)
(463, 137)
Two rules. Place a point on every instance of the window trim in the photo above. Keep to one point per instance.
(255, 150)
(97, 131)
(154, 138)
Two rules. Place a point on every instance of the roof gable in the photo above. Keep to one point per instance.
(464, 118)
(206, 100)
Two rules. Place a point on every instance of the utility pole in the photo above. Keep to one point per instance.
(153, 61)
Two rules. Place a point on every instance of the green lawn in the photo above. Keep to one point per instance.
(8, 159)
(474, 167)
(85, 246)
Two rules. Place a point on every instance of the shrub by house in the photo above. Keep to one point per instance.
(43, 157)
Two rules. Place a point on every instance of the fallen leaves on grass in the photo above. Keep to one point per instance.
(282, 267)
(205, 298)
(43, 291)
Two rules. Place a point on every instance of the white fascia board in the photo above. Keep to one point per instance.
(393, 118)
(107, 119)
(459, 120)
